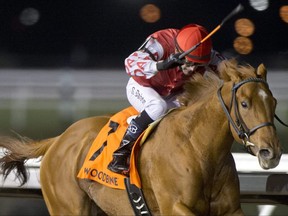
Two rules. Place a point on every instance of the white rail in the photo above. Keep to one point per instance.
(89, 84)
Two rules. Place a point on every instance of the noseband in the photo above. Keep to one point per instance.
(239, 125)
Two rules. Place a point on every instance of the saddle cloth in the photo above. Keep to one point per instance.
(107, 141)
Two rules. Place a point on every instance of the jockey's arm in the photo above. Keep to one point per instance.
(143, 62)
(216, 58)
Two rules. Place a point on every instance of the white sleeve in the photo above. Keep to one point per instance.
(141, 63)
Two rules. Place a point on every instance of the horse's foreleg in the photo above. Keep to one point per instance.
(226, 197)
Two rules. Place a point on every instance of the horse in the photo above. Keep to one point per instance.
(186, 165)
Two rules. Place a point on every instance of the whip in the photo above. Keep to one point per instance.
(235, 11)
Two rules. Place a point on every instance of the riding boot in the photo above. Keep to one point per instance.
(120, 163)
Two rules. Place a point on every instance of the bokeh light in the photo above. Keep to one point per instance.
(150, 13)
(259, 5)
(29, 16)
(244, 27)
(284, 13)
(243, 45)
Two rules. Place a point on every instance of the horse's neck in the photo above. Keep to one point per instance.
(207, 127)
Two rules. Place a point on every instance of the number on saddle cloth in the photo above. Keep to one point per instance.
(113, 125)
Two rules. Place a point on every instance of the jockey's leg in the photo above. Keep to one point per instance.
(120, 162)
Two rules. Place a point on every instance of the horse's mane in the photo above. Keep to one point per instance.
(200, 87)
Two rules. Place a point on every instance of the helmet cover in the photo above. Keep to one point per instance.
(188, 37)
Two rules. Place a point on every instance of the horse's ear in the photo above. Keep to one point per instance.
(228, 70)
(261, 72)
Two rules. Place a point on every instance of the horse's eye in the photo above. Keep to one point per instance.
(244, 104)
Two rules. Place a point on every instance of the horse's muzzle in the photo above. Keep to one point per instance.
(268, 159)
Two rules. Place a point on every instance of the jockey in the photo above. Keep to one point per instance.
(157, 76)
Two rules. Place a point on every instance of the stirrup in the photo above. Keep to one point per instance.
(121, 172)
(119, 168)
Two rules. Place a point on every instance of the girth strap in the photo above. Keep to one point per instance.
(136, 199)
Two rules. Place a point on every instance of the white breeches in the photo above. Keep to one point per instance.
(146, 98)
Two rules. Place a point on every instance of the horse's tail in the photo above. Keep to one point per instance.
(17, 151)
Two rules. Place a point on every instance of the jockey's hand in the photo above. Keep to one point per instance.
(171, 62)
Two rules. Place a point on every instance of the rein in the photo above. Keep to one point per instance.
(239, 125)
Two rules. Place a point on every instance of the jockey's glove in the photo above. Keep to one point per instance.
(171, 62)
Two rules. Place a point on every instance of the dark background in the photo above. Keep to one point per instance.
(101, 34)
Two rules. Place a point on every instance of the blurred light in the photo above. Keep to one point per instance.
(284, 13)
(259, 5)
(244, 27)
(29, 16)
(243, 45)
(150, 13)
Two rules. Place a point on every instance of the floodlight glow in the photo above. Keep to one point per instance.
(29, 16)
(243, 45)
(150, 13)
(259, 5)
(284, 13)
(244, 27)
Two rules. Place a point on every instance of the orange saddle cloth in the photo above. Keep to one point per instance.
(100, 153)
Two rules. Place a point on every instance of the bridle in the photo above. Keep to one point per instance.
(239, 125)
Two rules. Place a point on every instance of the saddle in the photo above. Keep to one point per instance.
(101, 150)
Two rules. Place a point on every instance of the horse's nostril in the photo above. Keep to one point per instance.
(265, 153)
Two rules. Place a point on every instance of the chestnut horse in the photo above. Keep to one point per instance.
(186, 166)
